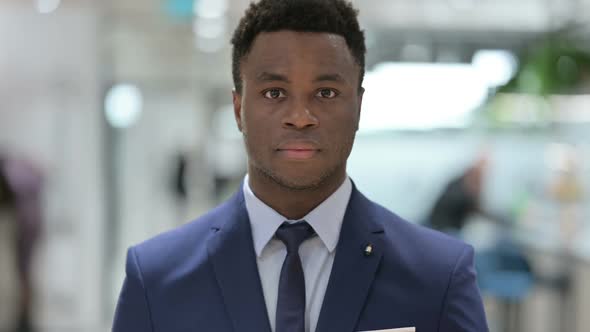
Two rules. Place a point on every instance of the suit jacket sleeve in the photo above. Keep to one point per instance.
(133, 311)
(463, 308)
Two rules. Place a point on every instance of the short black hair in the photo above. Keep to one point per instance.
(330, 16)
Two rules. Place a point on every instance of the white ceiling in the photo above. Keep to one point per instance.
(502, 15)
(146, 43)
(138, 41)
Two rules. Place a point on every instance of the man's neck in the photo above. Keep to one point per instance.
(293, 204)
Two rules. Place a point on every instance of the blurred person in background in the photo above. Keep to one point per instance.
(461, 199)
(9, 285)
(298, 247)
(20, 222)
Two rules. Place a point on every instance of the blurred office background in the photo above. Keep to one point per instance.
(120, 109)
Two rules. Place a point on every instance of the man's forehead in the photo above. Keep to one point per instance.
(270, 76)
(286, 71)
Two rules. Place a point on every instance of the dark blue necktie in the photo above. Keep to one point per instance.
(291, 298)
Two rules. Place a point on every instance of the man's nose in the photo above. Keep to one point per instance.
(299, 116)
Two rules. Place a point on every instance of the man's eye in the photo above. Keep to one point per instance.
(274, 94)
(326, 93)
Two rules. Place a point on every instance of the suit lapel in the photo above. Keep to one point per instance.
(232, 254)
(353, 270)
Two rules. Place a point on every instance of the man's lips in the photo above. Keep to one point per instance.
(298, 150)
(298, 154)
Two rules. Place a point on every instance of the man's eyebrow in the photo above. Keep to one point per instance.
(271, 77)
(330, 78)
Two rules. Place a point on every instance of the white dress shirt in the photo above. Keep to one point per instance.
(317, 253)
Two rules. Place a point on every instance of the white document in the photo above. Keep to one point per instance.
(402, 329)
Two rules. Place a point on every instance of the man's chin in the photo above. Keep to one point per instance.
(297, 182)
(297, 179)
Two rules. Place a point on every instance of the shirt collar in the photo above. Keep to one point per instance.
(326, 219)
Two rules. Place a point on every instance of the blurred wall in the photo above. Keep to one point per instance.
(49, 112)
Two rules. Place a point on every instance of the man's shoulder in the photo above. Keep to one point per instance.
(185, 244)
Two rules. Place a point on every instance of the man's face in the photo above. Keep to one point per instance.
(299, 107)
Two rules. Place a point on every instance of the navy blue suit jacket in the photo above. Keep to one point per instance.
(203, 277)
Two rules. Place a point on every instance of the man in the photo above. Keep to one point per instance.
(460, 199)
(298, 247)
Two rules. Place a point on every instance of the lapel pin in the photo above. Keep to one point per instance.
(369, 250)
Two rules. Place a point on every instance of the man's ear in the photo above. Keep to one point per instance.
(237, 101)
(358, 117)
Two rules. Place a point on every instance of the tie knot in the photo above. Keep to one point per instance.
(292, 235)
